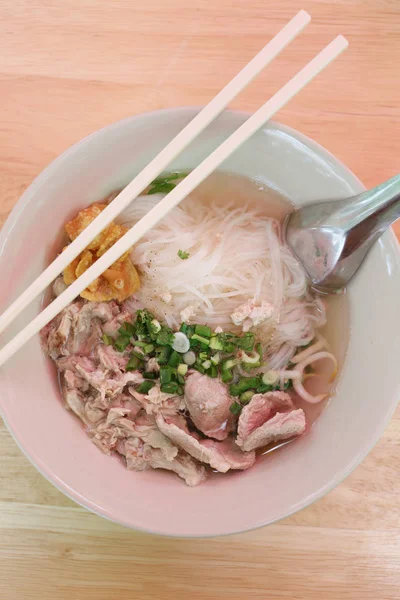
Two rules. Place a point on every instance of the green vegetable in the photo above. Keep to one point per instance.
(121, 343)
(199, 368)
(179, 391)
(169, 177)
(165, 337)
(127, 329)
(199, 338)
(215, 343)
(165, 374)
(133, 363)
(246, 383)
(203, 331)
(107, 340)
(226, 376)
(206, 364)
(154, 326)
(174, 359)
(150, 375)
(183, 328)
(215, 359)
(182, 369)
(235, 408)
(164, 187)
(228, 364)
(170, 388)
(246, 342)
(148, 348)
(213, 371)
(145, 387)
(203, 355)
(183, 255)
(163, 354)
(246, 396)
(263, 389)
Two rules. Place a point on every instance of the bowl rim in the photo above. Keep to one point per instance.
(26, 198)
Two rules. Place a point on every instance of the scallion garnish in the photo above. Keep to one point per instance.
(183, 255)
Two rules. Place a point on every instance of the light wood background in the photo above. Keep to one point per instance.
(69, 67)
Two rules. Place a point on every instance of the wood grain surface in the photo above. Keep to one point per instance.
(69, 67)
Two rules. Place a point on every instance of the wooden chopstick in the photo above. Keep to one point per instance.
(187, 185)
(158, 164)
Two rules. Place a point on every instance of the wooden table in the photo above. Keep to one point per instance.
(68, 68)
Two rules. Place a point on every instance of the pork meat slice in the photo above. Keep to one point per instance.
(110, 359)
(261, 408)
(158, 402)
(231, 453)
(109, 385)
(140, 456)
(208, 403)
(269, 418)
(221, 456)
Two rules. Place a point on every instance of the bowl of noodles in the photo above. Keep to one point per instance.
(198, 387)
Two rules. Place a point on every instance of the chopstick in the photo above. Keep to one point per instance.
(187, 185)
(158, 164)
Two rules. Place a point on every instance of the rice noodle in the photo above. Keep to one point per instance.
(235, 255)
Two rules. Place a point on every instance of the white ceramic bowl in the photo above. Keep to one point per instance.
(155, 501)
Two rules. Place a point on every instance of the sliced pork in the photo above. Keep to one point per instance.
(140, 456)
(221, 456)
(208, 403)
(269, 418)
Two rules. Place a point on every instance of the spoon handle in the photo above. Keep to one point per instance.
(374, 210)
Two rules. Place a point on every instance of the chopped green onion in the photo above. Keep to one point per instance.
(203, 355)
(263, 389)
(206, 364)
(183, 255)
(150, 375)
(121, 343)
(107, 340)
(200, 339)
(165, 374)
(163, 354)
(215, 343)
(246, 396)
(133, 363)
(235, 408)
(213, 371)
(170, 388)
(228, 364)
(127, 329)
(251, 359)
(179, 391)
(148, 348)
(189, 358)
(246, 383)
(180, 342)
(226, 376)
(165, 337)
(246, 342)
(203, 331)
(215, 359)
(145, 387)
(155, 326)
(174, 359)
(183, 328)
(270, 378)
(182, 369)
(199, 368)
(139, 344)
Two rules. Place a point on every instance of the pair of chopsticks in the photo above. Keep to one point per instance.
(156, 166)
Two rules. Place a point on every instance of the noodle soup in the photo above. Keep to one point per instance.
(204, 344)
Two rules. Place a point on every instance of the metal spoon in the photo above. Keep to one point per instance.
(332, 238)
